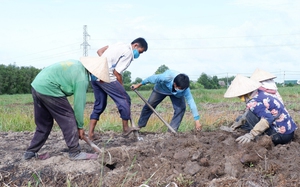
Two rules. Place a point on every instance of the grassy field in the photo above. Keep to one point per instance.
(16, 111)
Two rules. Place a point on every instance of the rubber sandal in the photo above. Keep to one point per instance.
(43, 156)
(131, 129)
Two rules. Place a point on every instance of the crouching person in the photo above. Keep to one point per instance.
(50, 90)
(175, 85)
(268, 85)
(267, 114)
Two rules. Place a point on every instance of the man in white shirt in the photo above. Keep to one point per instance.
(119, 56)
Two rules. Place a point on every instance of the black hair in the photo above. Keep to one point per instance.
(142, 42)
(182, 81)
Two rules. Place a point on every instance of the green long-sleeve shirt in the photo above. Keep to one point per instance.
(65, 79)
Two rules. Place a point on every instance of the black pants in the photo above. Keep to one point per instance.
(277, 138)
(46, 109)
(156, 98)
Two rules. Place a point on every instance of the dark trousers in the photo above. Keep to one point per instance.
(117, 93)
(155, 98)
(277, 138)
(46, 109)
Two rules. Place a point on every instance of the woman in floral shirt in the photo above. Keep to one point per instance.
(281, 125)
(266, 113)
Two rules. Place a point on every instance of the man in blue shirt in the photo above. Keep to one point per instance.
(175, 85)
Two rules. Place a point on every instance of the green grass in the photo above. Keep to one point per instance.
(16, 111)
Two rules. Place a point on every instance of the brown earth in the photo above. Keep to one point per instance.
(211, 159)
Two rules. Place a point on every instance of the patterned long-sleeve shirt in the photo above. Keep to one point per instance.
(266, 106)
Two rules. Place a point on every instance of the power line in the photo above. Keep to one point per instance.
(85, 50)
(84, 44)
(225, 47)
(46, 50)
(214, 37)
(51, 56)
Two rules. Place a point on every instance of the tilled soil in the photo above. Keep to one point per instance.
(209, 159)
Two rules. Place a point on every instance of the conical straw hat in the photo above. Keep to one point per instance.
(241, 85)
(97, 66)
(261, 75)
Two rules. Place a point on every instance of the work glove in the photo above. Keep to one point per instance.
(237, 124)
(240, 122)
(245, 138)
(258, 129)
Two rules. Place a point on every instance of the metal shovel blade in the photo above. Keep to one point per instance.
(227, 129)
(136, 133)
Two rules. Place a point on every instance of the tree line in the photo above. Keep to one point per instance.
(204, 81)
(17, 80)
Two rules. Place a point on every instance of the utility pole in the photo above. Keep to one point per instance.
(85, 44)
(227, 80)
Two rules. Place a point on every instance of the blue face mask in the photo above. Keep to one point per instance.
(136, 53)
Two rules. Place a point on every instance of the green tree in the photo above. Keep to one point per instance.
(195, 85)
(126, 77)
(16, 80)
(204, 80)
(137, 80)
(161, 69)
(227, 80)
(215, 82)
(209, 82)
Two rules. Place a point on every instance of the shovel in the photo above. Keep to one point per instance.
(136, 133)
(90, 143)
(170, 128)
(227, 129)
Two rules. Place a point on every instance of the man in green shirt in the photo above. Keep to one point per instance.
(50, 90)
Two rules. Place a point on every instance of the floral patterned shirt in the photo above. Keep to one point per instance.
(266, 106)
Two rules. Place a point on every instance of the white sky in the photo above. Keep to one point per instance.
(219, 37)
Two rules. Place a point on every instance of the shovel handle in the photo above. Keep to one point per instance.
(157, 114)
(90, 143)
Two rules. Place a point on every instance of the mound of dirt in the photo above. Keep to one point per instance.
(209, 159)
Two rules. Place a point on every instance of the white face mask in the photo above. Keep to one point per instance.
(177, 89)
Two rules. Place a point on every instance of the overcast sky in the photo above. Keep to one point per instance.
(218, 37)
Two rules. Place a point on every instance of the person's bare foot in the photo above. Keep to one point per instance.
(93, 136)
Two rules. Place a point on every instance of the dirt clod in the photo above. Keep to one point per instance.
(186, 160)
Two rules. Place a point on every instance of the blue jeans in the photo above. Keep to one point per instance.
(277, 138)
(118, 94)
(155, 98)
